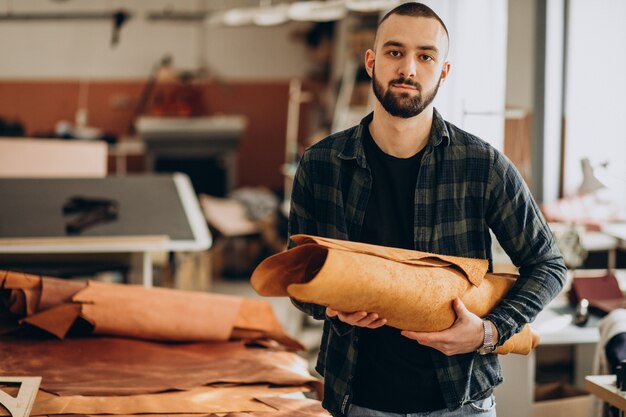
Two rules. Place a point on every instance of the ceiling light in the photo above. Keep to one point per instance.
(239, 17)
(271, 15)
(364, 6)
(317, 11)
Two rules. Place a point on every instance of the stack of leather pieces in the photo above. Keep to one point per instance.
(413, 290)
(250, 400)
(127, 350)
(60, 307)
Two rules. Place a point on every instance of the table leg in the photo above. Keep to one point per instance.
(147, 269)
(515, 396)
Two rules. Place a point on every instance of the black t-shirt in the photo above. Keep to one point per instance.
(393, 373)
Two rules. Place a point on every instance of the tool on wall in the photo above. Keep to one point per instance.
(120, 17)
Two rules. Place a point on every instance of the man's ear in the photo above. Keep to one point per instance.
(370, 58)
(445, 70)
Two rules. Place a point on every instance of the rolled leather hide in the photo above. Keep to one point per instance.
(61, 306)
(412, 290)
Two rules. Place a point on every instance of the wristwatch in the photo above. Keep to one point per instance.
(488, 342)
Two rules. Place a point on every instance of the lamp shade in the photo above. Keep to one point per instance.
(590, 183)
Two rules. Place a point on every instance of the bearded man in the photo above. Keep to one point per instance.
(404, 177)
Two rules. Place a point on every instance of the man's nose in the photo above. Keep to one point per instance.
(408, 67)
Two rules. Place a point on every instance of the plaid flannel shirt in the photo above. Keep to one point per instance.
(464, 188)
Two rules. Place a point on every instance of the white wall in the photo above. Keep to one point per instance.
(473, 96)
(81, 49)
(596, 91)
(520, 76)
(553, 100)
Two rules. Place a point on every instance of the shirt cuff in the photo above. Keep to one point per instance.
(506, 328)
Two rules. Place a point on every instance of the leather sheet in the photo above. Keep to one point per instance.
(60, 307)
(199, 400)
(412, 290)
(280, 407)
(289, 407)
(157, 313)
(286, 407)
(108, 366)
(128, 376)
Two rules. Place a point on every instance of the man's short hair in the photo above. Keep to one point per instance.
(415, 9)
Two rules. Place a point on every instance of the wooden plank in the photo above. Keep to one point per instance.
(603, 386)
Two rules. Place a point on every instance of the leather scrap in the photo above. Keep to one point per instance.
(88, 366)
(412, 290)
(280, 407)
(60, 307)
(295, 407)
(157, 313)
(55, 291)
(57, 320)
(199, 400)
(27, 299)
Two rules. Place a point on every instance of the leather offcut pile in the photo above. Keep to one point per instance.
(59, 306)
(127, 350)
(412, 290)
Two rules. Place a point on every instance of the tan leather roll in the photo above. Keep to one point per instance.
(132, 311)
(412, 290)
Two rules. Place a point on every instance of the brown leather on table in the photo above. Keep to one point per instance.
(145, 373)
(56, 291)
(256, 320)
(295, 407)
(279, 407)
(107, 366)
(198, 400)
(157, 313)
(153, 415)
(256, 315)
(133, 311)
(412, 290)
(286, 407)
(57, 320)
(26, 300)
(8, 323)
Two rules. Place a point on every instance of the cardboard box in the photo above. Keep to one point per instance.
(558, 400)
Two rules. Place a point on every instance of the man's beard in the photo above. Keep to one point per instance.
(402, 104)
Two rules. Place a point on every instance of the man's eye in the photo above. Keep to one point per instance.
(394, 53)
(426, 57)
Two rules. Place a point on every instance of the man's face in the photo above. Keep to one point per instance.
(403, 103)
(408, 64)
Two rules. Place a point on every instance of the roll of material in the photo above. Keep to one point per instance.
(131, 311)
(412, 290)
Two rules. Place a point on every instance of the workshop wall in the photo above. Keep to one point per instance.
(39, 104)
(66, 49)
(49, 65)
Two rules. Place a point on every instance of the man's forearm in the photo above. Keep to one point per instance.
(536, 287)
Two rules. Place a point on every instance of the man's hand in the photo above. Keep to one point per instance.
(358, 318)
(465, 335)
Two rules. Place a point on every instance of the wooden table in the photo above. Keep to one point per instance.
(603, 387)
(554, 324)
(156, 213)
